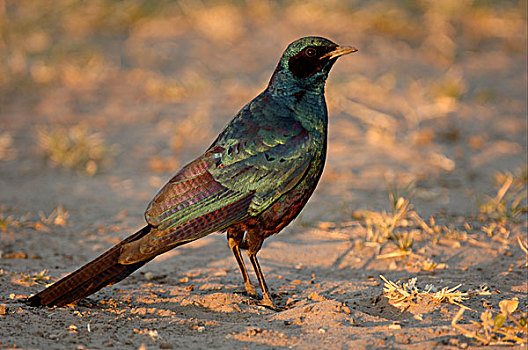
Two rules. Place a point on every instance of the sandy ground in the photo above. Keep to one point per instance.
(445, 119)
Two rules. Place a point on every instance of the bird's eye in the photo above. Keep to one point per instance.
(310, 52)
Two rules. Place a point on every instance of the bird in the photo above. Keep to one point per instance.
(252, 181)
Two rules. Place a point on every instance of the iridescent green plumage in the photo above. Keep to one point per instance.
(251, 182)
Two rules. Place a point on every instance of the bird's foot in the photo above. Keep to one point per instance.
(267, 302)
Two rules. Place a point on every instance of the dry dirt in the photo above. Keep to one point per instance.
(435, 99)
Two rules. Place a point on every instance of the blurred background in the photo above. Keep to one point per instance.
(104, 98)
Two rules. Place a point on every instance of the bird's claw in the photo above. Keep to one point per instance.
(268, 303)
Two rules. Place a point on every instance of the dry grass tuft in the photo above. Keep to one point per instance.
(57, 217)
(429, 265)
(503, 329)
(9, 223)
(74, 148)
(403, 226)
(39, 277)
(407, 293)
(509, 202)
(382, 226)
(27, 280)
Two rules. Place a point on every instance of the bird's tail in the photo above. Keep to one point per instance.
(88, 279)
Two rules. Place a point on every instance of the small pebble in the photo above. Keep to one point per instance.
(395, 326)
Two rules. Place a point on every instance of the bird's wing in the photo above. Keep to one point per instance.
(190, 194)
(249, 166)
(265, 157)
(190, 206)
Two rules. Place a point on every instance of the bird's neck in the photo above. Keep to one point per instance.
(283, 85)
(306, 100)
(309, 108)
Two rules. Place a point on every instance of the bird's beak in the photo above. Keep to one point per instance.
(339, 51)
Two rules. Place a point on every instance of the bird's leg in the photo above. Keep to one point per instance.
(234, 243)
(266, 296)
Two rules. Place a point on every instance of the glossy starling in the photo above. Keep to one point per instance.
(251, 182)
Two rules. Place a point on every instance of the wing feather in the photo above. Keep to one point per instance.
(191, 193)
(158, 242)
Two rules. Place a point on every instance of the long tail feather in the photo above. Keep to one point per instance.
(88, 279)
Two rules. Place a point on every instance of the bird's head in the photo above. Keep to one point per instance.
(306, 62)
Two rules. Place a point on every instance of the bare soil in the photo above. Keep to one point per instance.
(403, 110)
